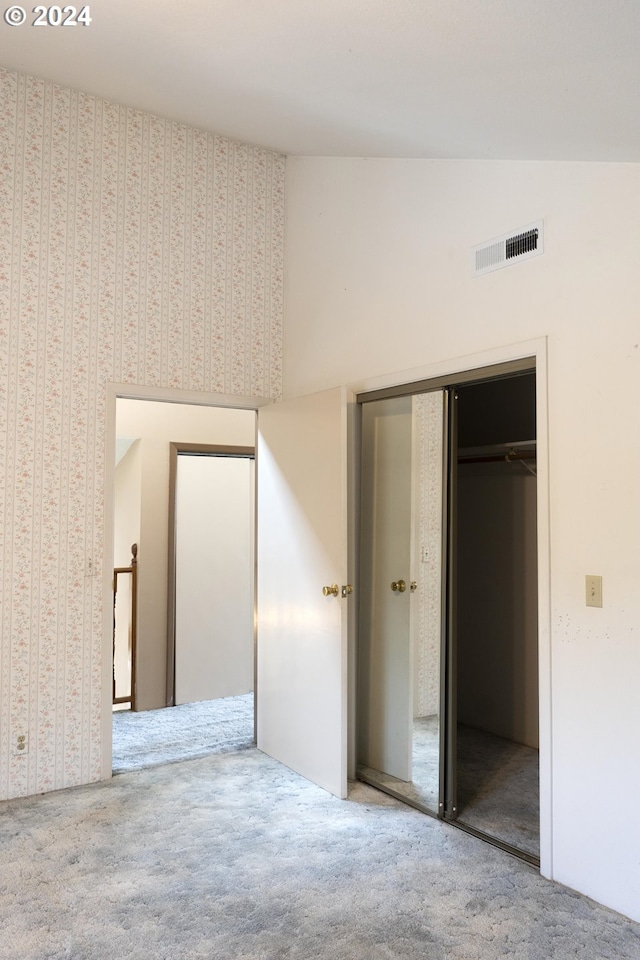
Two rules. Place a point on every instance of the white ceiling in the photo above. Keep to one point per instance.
(508, 79)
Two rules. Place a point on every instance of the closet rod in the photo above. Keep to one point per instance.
(485, 448)
(514, 456)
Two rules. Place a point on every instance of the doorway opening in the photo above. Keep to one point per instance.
(184, 493)
(448, 651)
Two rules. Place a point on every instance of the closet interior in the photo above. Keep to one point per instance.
(496, 597)
(447, 657)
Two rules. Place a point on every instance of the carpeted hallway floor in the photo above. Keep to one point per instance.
(233, 856)
(190, 730)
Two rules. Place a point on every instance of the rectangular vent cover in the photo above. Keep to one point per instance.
(511, 248)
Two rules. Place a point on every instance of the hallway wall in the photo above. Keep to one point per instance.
(214, 578)
(379, 282)
(157, 425)
(133, 250)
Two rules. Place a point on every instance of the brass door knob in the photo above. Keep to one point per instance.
(399, 586)
(414, 586)
(331, 591)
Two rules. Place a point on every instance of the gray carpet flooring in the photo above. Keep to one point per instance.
(498, 782)
(499, 788)
(233, 857)
(151, 737)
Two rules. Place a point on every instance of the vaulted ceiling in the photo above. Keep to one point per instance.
(550, 80)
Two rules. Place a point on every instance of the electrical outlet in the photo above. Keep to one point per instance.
(21, 745)
(593, 591)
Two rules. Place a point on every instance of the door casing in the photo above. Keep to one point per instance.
(503, 361)
(114, 392)
(448, 719)
(175, 449)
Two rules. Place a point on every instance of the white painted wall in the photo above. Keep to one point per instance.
(378, 281)
(126, 497)
(497, 622)
(157, 424)
(214, 577)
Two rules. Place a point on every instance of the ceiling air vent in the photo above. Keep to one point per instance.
(511, 248)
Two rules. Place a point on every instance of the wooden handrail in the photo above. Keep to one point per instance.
(133, 570)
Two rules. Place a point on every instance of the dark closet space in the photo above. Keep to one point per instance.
(495, 599)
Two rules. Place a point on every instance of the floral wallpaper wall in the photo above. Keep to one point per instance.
(135, 250)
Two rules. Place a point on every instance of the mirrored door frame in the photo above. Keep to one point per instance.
(447, 806)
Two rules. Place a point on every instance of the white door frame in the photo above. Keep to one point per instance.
(122, 391)
(468, 363)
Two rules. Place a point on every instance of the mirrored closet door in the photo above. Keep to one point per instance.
(399, 725)
(447, 656)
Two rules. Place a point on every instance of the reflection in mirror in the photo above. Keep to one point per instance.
(426, 611)
(400, 635)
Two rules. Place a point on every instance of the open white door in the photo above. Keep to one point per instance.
(301, 548)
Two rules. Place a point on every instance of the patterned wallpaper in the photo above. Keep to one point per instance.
(136, 250)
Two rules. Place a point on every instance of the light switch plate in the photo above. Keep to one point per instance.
(593, 590)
